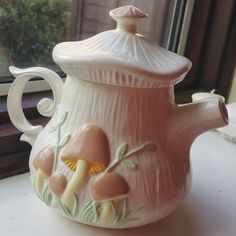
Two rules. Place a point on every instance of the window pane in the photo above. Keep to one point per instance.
(157, 27)
(29, 29)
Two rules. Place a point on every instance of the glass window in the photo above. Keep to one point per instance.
(165, 18)
(29, 29)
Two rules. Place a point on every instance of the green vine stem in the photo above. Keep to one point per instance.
(57, 147)
(60, 142)
(122, 155)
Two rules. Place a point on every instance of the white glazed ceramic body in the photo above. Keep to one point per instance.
(148, 135)
(131, 116)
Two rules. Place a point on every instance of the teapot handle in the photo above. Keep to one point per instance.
(45, 106)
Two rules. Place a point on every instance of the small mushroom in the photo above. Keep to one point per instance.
(43, 164)
(86, 154)
(107, 190)
(57, 183)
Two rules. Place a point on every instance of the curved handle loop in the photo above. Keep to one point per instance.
(46, 106)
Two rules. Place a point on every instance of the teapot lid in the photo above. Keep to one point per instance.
(122, 56)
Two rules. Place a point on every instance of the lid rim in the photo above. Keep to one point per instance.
(120, 76)
(121, 65)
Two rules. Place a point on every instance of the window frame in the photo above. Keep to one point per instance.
(212, 40)
(204, 37)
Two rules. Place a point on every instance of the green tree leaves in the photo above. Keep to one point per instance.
(31, 28)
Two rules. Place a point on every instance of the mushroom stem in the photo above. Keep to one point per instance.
(76, 183)
(107, 212)
(39, 181)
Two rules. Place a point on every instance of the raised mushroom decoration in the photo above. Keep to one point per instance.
(86, 154)
(107, 190)
(57, 183)
(43, 164)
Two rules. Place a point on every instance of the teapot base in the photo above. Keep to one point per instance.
(144, 219)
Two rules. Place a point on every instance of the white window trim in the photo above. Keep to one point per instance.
(185, 26)
(31, 86)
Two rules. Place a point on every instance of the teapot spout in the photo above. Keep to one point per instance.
(190, 120)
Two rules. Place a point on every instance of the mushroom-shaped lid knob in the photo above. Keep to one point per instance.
(44, 161)
(108, 186)
(57, 183)
(90, 144)
(126, 17)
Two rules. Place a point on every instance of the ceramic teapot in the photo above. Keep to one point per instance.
(115, 153)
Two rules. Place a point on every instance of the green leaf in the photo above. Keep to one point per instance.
(95, 212)
(59, 122)
(130, 164)
(92, 217)
(75, 205)
(84, 209)
(121, 151)
(113, 220)
(89, 216)
(121, 211)
(134, 212)
(52, 129)
(54, 145)
(62, 119)
(64, 141)
(65, 209)
(34, 187)
(45, 194)
(49, 198)
(89, 212)
(68, 211)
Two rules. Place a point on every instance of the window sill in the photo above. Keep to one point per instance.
(209, 208)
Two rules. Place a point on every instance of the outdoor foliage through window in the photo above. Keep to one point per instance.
(29, 29)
